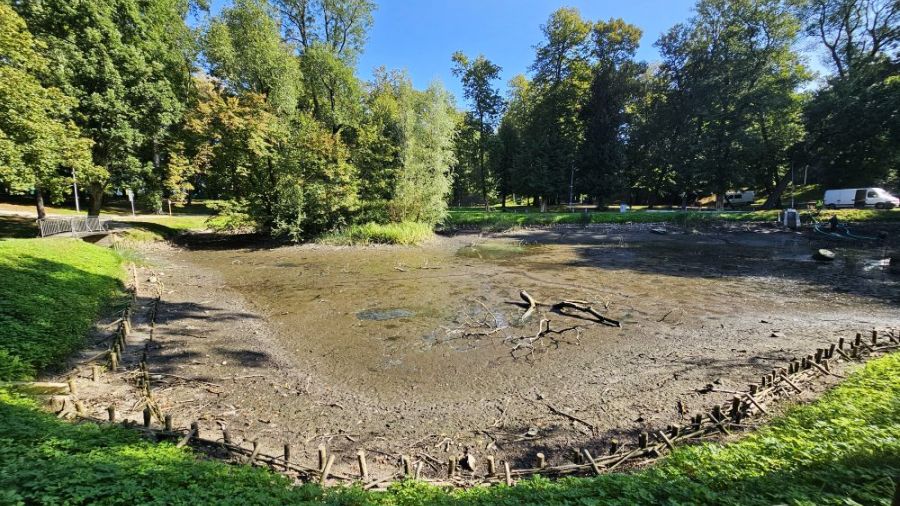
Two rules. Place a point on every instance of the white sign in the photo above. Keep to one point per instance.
(130, 194)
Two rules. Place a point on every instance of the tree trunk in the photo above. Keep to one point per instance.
(96, 190)
(774, 199)
(39, 203)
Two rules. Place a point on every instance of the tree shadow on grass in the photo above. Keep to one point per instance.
(46, 310)
(17, 227)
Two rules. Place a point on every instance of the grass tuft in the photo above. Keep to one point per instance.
(405, 233)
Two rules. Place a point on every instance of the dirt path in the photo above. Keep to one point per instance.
(359, 347)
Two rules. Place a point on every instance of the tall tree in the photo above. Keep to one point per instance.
(423, 183)
(562, 76)
(615, 86)
(854, 121)
(40, 148)
(730, 66)
(125, 64)
(477, 77)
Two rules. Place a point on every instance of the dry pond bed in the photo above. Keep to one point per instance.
(419, 351)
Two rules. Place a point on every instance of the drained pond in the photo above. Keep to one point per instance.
(424, 350)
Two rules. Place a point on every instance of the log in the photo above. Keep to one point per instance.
(591, 460)
(531, 304)
(579, 306)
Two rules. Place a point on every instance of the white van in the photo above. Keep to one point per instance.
(860, 197)
(739, 198)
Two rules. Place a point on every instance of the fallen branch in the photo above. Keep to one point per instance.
(531, 304)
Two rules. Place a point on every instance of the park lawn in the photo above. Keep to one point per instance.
(52, 291)
(842, 449)
(498, 220)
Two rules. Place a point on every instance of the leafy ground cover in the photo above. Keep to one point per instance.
(52, 291)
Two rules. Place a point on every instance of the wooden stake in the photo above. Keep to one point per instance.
(874, 337)
(195, 428)
(323, 457)
(506, 472)
(841, 343)
(491, 465)
(451, 467)
(168, 423)
(418, 472)
(71, 381)
(591, 460)
(112, 414)
(831, 350)
(613, 446)
(858, 340)
(791, 383)
(147, 417)
(541, 461)
(287, 456)
(407, 464)
(818, 357)
(642, 440)
(754, 388)
(363, 468)
(327, 469)
(95, 373)
(226, 436)
(667, 440)
(113, 361)
(253, 455)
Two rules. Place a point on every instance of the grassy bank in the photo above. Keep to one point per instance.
(51, 293)
(406, 233)
(498, 220)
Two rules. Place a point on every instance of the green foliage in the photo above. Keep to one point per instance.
(422, 183)
(52, 291)
(403, 233)
(127, 65)
(245, 49)
(39, 146)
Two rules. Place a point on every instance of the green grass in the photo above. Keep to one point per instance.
(159, 228)
(406, 233)
(52, 291)
(495, 220)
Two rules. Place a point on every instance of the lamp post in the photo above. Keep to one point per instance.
(75, 187)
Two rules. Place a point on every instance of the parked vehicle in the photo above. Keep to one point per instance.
(860, 198)
(739, 198)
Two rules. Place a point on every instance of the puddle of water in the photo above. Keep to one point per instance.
(384, 314)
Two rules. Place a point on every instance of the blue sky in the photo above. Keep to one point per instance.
(421, 35)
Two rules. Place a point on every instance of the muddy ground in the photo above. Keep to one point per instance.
(410, 350)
